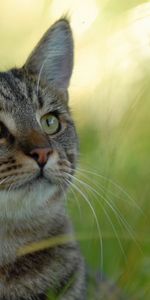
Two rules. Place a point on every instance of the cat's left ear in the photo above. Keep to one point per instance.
(52, 58)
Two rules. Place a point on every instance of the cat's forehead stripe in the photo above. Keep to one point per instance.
(12, 88)
(16, 90)
(4, 95)
(8, 82)
(9, 122)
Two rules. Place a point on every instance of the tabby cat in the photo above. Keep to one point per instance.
(38, 153)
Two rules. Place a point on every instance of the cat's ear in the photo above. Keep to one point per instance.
(52, 58)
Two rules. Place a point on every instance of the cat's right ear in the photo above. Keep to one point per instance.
(52, 58)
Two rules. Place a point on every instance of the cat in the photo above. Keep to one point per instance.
(38, 155)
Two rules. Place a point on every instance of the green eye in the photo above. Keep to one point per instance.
(50, 124)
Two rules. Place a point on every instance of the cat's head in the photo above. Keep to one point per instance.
(38, 142)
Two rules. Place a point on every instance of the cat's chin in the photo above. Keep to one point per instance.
(42, 180)
(33, 183)
(28, 201)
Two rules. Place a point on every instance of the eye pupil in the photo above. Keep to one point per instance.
(48, 122)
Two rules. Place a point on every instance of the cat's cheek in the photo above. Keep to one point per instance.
(26, 161)
(52, 161)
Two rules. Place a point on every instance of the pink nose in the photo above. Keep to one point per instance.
(41, 155)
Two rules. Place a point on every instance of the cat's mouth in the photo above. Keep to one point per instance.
(29, 184)
(42, 178)
(38, 179)
(47, 178)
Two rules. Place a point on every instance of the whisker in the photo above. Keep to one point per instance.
(95, 217)
(105, 211)
(40, 72)
(116, 185)
(3, 180)
(77, 201)
(118, 215)
(16, 182)
(39, 76)
(116, 212)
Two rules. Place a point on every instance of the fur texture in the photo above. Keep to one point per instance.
(32, 194)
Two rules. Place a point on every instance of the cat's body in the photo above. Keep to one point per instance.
(38, 152)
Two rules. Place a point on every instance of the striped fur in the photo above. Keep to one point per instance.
(32, 206)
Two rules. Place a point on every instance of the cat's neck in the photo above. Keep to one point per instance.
(12, 241)
(25, 205)
(43, 218)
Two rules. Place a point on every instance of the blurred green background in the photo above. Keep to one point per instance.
(110, 101)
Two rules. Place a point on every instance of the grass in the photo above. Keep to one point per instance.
(116, 166)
